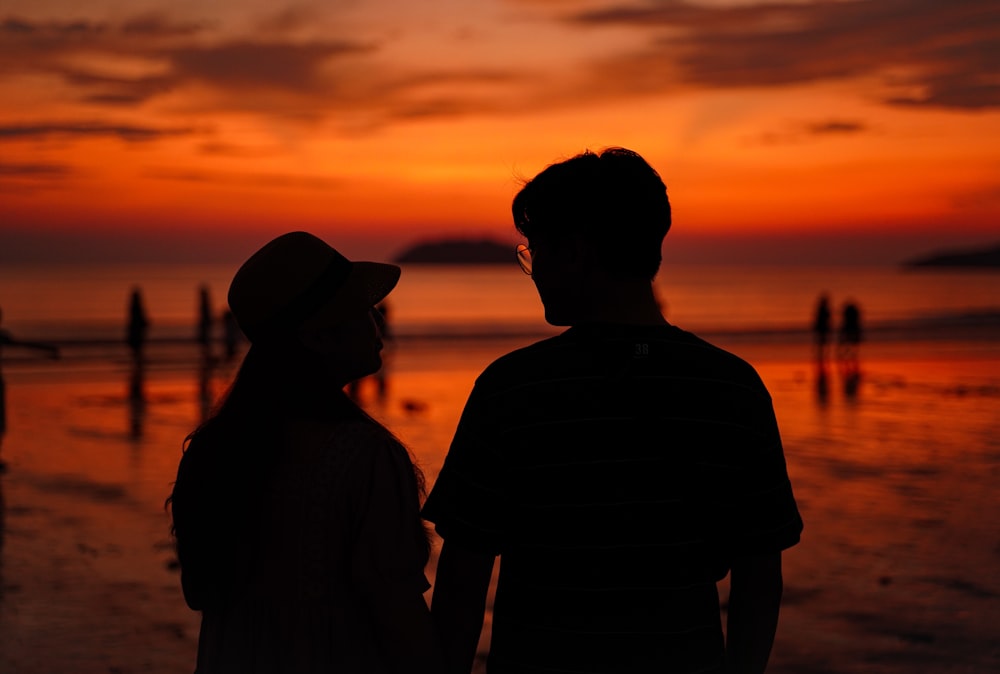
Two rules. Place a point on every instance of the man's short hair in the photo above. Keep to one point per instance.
(612, 199)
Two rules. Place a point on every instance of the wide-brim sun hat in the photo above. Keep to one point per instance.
(294, 275)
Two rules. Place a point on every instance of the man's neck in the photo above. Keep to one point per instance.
(624, 302)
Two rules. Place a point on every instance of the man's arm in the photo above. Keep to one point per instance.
(755, 588)
(461, 585)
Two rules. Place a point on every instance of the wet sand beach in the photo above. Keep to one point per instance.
(895, 474)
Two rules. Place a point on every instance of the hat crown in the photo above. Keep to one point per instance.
(279, 272)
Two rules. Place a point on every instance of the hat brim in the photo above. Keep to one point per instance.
(367, 284)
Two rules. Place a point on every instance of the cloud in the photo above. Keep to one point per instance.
(836, 126)
(118, 91)
(254, 65)
(15, 27)
(156, 25)
(34, 171)
(926, 53)
(23, 178)
(809, 131)
(941, 54)
(266, 180)
(290, 19)
(125, 132)
(224, 149)
(270, 73)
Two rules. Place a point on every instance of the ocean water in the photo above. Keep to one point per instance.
(894, 466)
(89, 302)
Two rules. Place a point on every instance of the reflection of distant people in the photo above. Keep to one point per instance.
(822, 325)
(137, 398)
(822, 383)
(852, 382)
(138, 325)
(205, 321)
(6, 339)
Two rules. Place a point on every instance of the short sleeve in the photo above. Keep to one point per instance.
(390, 544)
(466, 503)
(763, 511)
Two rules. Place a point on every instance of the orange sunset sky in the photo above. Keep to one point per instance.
(807, 131)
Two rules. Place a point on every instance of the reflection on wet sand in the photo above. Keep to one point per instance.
(137, 400)
(894, 574)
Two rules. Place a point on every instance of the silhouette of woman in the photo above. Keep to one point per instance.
(295, 514)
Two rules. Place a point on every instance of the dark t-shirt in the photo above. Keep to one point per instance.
(341, 519)
(617, 471)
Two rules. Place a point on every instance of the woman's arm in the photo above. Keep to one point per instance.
(459, 602)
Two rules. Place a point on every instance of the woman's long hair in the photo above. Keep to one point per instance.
(216, 501)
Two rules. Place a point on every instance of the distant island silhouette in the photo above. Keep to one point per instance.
(969, 258)
(457, 251)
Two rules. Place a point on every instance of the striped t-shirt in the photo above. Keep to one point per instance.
(616, 470)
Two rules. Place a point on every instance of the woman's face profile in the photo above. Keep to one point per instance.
(350, 346)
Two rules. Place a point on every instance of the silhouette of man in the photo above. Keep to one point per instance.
(619, 470)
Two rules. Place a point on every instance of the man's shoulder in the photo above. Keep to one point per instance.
(703, 351)
(582, 349)
(514, 364)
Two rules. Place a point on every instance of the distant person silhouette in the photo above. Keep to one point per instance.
(849, 340)
(619, 470)
(8, 340)
(849, 347)
(206, 322)
(138, 325)
(822, 325)
(296, 515)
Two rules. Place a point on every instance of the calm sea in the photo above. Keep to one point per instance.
(81, 304)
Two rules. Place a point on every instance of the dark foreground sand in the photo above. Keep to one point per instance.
(896, 572)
